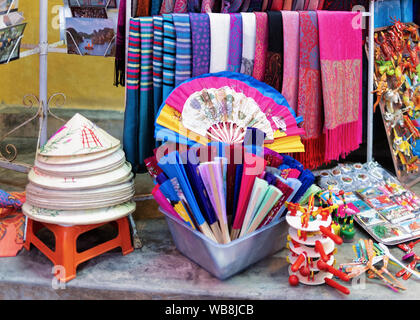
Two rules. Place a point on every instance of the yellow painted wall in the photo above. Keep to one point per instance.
(86, 81)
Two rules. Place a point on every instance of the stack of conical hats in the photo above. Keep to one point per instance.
(80, 177)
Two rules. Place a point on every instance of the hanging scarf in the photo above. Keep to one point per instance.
(313, 5)
(245, 5)
(194, 5)
(288, 4)
(146, 120)
(200, 34)
(155, 7)
(235, 42)
(291, 59)
(264, 5)
(255, 6)
(180, 6)
(298, 5)
(407, 8)
(248, 44)
(345, 5)
(231, 6)
(167, 6)
(183, 48)
(277, 5)
(274, 67)
(207, 6)
(157, 62)
(310, 92)
(306, 5)
(169, 51)
(119, 77)
(341, 68)
(321, 4)
(261, 45)
(219, 39)
(131, 115)
(143, 8)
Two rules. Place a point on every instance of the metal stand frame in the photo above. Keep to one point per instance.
(43, 102)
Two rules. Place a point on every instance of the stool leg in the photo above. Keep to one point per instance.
(29, 234)
(66, 252)
(125, 236)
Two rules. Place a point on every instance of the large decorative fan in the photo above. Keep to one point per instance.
(221, 106)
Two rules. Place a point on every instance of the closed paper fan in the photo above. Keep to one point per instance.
(221, 106)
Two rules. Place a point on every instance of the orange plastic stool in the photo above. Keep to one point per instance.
(66, 254)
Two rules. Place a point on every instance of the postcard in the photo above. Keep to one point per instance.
(389, 232)
(362, 206)
(396, 214)
(93, 3)
(370, 217)
(411, 226)
(89, 36)
(380, 202)
(370, 192)
(89, 12)
(9, 42)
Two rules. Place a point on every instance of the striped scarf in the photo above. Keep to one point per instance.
(146, 119)
(235, 42)
(157, 62)
(130, 135)
(169, 51)
(200, 33)
(183, 47)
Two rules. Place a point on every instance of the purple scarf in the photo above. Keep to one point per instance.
(235, 42)
(120, 47)
(200, 34)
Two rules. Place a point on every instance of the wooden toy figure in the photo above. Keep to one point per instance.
(311, 242)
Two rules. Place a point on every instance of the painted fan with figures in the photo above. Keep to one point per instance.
(222, 106)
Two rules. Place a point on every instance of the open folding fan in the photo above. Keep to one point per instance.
(221, 106)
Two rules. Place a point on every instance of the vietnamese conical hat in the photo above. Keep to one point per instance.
(79, 136)
(79, 217)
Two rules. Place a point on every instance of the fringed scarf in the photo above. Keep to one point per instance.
(255, 6)
(298, 5)
(313, 5)
(194, 6)
(157, 62)
(274, 68)
(341, 68)
(146, 120)
(131, 115)
(288, 4)
(231, 6)
(207, 6)
(344, 5)
(183, 48)
(291, 59)
(155, 7)
(248, 43)
(310, 92)
(407, 11)
(169, 51)
(167, 6)
(235, 42)
(119, 77)
(180, 6)
(143, 8)
(261, 45)
(277, 5)
(200, 34)
(219, 39)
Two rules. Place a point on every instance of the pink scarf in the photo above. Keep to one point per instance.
(261, 45)
(291, 59)
(341, 69)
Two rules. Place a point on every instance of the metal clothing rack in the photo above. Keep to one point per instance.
(42, 101)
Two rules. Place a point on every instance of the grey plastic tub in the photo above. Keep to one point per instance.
(226, 260)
